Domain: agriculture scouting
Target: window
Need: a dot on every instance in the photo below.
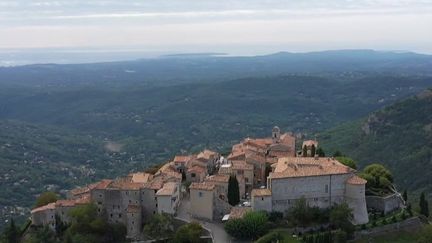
(262, 199)
(326, 188)
(315, 199)
(246, 180)
(111, 215)
(193, 175)
(120, 215)
(200, 194)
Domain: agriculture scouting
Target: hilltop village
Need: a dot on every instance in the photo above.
(271, 173)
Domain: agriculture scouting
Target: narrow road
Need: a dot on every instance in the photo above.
(216, 229)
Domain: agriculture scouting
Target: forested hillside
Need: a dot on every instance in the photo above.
(399, 136)
(66, 125)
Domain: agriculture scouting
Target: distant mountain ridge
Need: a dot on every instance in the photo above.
(204, 68)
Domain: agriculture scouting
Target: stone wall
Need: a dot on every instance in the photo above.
(385, 204)
(319, 191)
(262, 203)
(410, 225)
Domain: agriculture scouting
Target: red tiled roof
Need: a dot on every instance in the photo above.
(206, 186)
(261, 192)
(307, 166)
(356, 180)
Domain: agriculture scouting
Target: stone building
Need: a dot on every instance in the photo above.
(130, 200)
(323, 182)
(242, 171)
(261, 200)
(202, 197)
(262, 151)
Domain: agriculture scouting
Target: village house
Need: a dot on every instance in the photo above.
(129, 200)
(242, 171)
(262, 151)
(202, 200)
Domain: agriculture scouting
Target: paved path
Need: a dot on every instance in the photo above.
(216, 229)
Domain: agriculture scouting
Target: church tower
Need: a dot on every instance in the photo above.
(276, 134)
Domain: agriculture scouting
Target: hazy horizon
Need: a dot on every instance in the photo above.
(229, 26)
(21, 57)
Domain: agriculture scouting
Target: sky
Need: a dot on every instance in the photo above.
(232, 26)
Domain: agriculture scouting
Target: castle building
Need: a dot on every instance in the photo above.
(323, 182)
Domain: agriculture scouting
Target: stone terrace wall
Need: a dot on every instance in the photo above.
(385, 204)
(410, 225)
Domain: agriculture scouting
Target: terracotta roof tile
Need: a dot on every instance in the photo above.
(49, 206)
(168, 189)
(141, 177)
(206, 186)
(197, 169)
(217, 178)
(356, 180)
(103, 184)
(307, 166)
(261, 192)
(182, 158)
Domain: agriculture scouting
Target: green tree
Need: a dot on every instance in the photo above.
(377, 176)
(300, 213)
(46, 198)
(348, 162)
(341, 217)
(11, 233)
(251, 226)
(313, 150)
(320, 152)
(233, 191)
(305, 151)
(189, 233)
(424, 205)
(160, 226)
(337, 154)
(405, 196)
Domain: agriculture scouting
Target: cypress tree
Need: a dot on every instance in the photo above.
(313, 150)
(424, 205)
(405, 196)
(320, 152)
(233, 191)
(305, 150)
(12, 232)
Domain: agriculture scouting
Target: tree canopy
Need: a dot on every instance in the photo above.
(251, 226)
(160, 226)
(233, 191)
(347, 161)
(378, 177)
(46, 198)
(189, 233)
